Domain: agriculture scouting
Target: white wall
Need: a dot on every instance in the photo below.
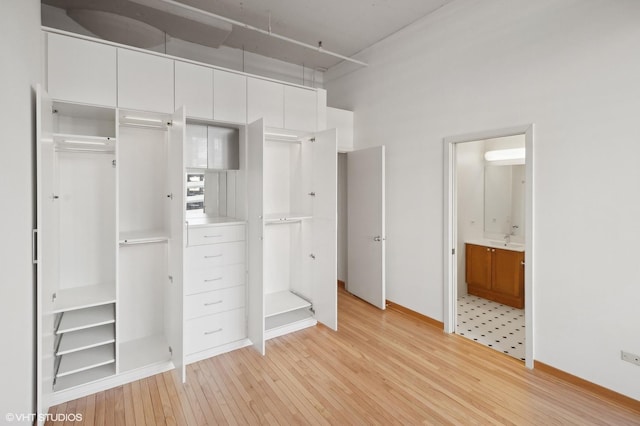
(342, 217)
(570, 67)
(20, 47)
(224, 56)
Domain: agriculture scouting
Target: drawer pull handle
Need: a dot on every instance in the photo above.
(213, 279)
(213, 236)
(213, 303)
(212, 256)
(206, 333)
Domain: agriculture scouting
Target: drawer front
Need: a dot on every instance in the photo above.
(204, 257)
(215, 234)
(199, 280)
(213, 302)
(214, 330)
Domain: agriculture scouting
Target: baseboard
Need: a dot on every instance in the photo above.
(341, 284)
(598, 390)
(414, 314)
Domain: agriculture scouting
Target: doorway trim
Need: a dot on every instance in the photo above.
(450, 249)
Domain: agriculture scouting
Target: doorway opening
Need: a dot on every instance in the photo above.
(488, 239)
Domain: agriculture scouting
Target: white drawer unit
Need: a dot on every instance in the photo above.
(215, 234)
(213, 302)
(200, 280)
(214, 330)
(215, 255)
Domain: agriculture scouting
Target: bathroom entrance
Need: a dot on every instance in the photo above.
(488, 185)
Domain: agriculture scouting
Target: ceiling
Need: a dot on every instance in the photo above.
(343, 26)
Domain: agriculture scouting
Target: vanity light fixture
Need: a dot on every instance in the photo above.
(505, 154)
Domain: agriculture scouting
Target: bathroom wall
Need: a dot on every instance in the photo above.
(568, 67)
(470, 200)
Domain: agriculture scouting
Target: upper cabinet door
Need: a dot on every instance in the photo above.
(229, 97)
(81, 71)
(194, 88)
(145, 82)
(300, 109)
(265, 100)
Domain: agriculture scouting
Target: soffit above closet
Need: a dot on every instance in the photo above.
(344, 27)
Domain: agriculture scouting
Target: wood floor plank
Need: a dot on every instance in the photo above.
(379, 368)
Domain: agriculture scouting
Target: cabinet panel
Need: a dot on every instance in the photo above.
(265, 100)
(196, 146)
(213, 302)
(300, 109)
(145, 82)
(81, 71)
(215, 234)
(342, 120)
(478, 266)
(229, 97)
(508, 276)
(214, 330)
(194, 89)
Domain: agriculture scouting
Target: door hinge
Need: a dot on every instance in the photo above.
(113, 164)
(313, 194)
(171, 350)
(312, 139)
(170, 196)
(169, 123)
(53, 297)
(171, 279)
(313, 256)
(453, 251)
(54, 197)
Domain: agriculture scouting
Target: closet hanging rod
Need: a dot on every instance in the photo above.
(146, 241)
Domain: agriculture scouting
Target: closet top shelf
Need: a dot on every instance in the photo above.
(84, 297)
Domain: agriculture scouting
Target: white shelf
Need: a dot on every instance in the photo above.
(143, 352)
(206, 221)
(282, 302)
(86, 339)
(86, 318)
(84, 297)
(84, 360)
(289, 322)
(84, 377)
(144, 237)
(287, 217)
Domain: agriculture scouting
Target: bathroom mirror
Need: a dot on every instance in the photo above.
(504, 199)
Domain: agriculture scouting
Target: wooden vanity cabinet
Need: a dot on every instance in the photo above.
(495, 274)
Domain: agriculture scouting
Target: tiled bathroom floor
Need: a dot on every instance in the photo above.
(498, 326)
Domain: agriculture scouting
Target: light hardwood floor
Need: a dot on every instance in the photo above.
(381, 367)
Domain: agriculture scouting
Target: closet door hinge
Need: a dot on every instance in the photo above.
(313, 194)
(169, 123)
(312, 139)
(113, 164)
(171, 350)
(171, 279)
(170, 196)
(453, 251)
(313, 256)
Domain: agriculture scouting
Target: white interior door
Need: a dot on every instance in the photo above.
(366, 218)
(174, 317)
(324, 184)
(46, 249)
(256, 234)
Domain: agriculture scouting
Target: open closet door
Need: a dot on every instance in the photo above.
(325, 201)
(255, 315)
(45, 249)
(174, 317)
(366, 222)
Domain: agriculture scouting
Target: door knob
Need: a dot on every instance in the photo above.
(378, 238)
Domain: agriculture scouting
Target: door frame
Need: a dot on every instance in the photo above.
(450, 249)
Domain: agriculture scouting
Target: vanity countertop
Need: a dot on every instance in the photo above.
(497, 244)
